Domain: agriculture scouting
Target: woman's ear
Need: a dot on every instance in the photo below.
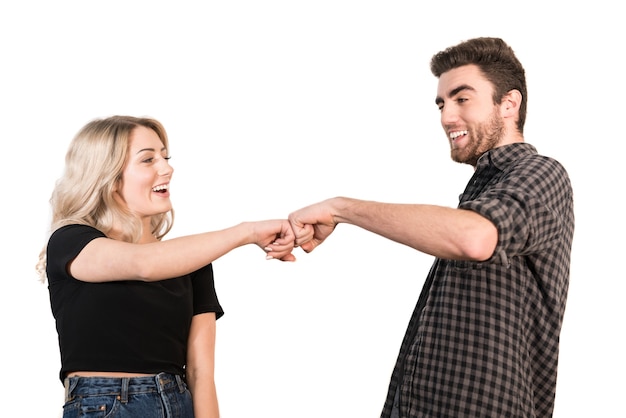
(115, 192)
(117, 184)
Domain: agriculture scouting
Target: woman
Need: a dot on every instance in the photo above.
(135, 314)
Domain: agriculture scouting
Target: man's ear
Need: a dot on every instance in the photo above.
(510, 105)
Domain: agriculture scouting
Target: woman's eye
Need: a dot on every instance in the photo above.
(150, 160)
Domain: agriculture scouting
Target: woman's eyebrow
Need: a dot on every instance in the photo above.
(150, 149)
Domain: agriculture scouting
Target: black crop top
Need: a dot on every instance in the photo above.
(123, 326)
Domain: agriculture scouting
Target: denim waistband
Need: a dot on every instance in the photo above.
(78, 386)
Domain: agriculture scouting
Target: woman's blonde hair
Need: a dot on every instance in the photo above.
(93, 167)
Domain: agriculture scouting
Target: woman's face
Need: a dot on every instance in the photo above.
(144, 186)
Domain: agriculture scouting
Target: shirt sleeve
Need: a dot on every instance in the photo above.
(204, 294)
(64, 245)
(526, 207)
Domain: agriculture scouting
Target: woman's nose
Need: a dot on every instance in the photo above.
(164, 168)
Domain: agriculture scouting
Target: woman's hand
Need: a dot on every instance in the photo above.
(276, 238)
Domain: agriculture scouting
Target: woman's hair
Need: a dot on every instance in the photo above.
(496, 60)
(93, 166)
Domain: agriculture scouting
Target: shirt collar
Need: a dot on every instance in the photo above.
(504, 155)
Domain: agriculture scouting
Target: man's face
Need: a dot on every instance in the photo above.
(470, 119)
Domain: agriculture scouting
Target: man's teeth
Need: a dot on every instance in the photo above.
(160, 188)
(456, 134)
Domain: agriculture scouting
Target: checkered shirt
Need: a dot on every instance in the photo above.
(483, 340)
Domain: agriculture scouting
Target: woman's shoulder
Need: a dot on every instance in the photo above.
(73, 235)
(76, 230)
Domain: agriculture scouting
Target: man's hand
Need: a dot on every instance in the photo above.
(312, 224)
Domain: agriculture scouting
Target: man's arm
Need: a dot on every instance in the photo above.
(436, 230)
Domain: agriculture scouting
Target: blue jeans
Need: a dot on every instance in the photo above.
(160, 396)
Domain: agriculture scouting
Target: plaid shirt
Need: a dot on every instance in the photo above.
(483, 340)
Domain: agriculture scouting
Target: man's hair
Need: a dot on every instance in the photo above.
(495, 59)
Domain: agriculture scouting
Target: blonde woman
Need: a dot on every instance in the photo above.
(135, 314)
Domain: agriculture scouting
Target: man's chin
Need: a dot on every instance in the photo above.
(463, 159)
(458, 156)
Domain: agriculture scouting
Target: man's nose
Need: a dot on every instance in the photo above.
(449, 116)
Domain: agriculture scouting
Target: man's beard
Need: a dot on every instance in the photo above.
(485, 136)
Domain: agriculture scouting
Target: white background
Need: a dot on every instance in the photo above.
(273, 105)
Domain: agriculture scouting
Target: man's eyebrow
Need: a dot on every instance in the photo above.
(454, 92)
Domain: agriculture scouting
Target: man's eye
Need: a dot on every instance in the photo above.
(461, 100)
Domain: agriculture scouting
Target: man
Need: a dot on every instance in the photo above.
(483, 340)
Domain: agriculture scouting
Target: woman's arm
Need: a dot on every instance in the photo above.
(105, 259)
(201, 366)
